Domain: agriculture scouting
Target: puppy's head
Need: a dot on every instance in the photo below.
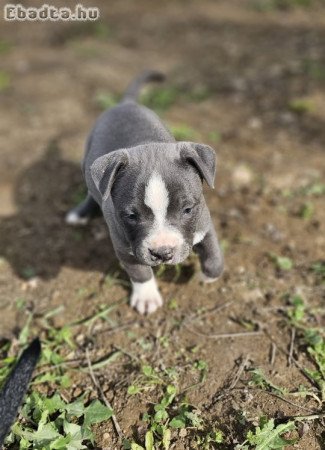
(156, 190)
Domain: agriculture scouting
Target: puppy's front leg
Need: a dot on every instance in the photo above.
(210, 255)
(145, 296)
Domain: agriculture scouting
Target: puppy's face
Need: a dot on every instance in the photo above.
(157, 198)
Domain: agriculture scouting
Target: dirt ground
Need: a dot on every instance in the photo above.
(262, 73)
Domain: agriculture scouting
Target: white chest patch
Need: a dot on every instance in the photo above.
(156, 197)
(198, 237)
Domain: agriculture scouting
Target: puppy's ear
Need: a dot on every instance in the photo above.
(202, 157)
(105, 168)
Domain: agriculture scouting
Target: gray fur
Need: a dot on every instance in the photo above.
(127, 144)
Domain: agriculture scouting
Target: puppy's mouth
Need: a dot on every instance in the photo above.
(153, 258)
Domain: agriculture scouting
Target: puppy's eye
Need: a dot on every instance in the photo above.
(131, 216)
(187, 211)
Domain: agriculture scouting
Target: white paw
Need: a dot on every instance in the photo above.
(73, 218)
(205, 279)
(145, 297)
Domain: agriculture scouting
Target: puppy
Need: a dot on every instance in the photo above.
(15, 387)
(149, 189)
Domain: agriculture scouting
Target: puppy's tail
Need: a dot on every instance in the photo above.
(134, 87)
(15, 387)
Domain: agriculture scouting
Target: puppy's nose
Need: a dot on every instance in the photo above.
(164, 254)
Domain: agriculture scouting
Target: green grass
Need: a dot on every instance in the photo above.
(5, 80)
(160, 98)
(57, 422)
(5, 46)
(172, 413)
(301, 106)
(105, 100)
(183, 132)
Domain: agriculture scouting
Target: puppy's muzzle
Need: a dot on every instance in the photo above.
(163, 254)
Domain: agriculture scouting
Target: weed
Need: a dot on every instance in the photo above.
(307, 211)
(281, 262)
(313, 339)
(52, 423)
(213, 437)
(268, 436)
(297, 312)
(172, 412)
(258, 379)
(316, 349)
(173, 304)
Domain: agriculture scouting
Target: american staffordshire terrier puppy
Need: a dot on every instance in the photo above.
(149, 189)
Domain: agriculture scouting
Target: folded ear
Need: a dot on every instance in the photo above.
(202, 157)
(105, 168)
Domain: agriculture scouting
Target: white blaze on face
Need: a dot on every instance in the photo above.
(157, 199)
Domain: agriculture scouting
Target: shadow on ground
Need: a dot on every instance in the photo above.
(36, 241)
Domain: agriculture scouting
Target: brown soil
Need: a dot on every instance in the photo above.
(253, 65)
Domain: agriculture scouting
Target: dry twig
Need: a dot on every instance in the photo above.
(292, 341)
(102, 395)
(225, 335)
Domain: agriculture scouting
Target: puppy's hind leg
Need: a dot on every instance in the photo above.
(81, 214)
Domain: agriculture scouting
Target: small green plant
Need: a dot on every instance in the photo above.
(172, 412)
(258, 379)
(52, 423)
(301, 106)
(268, 436)
(297, 311)
(5, 46)
(183, 132)
(307, 211)
(213, 437)
(312, 338)
(106, 100)
(160, 99)
(316, 350)
(4, 80)
(319, 270)
(282, 262)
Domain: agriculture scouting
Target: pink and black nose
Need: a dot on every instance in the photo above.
(163, 254)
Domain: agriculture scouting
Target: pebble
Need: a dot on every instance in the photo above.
(242, 176)
(33, 283)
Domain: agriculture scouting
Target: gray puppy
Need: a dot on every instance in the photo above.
(149, 189)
